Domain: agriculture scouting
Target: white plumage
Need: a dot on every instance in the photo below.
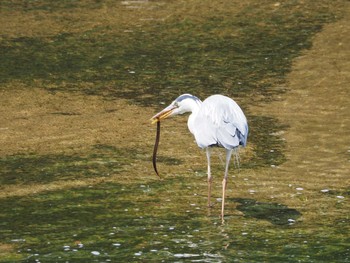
(217, 121)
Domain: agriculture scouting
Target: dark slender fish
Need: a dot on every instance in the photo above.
(156, 148)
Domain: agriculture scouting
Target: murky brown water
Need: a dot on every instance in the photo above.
(316, 108)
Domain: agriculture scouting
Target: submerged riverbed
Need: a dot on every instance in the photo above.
(79, 82)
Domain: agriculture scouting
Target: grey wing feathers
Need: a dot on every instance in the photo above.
(221, 122)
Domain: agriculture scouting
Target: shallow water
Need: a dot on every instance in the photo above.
(96, 198)
(142, 222)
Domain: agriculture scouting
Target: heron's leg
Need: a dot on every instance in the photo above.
(224, 182)
(210, 179)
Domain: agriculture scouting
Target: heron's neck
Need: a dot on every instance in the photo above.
(194, 109)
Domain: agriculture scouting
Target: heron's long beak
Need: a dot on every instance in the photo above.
(163, 114)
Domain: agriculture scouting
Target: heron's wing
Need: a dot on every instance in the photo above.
(204, 131)
(221, 121)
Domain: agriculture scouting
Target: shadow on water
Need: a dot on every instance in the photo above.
(275, 213)
(268, 143)
(102, 160)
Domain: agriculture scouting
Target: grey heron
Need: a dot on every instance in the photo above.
(217, 121)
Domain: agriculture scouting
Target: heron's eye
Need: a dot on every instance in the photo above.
(176, 104)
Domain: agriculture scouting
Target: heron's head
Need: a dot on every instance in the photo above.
(182, 104)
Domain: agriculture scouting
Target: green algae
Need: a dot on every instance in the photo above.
(130, 222)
